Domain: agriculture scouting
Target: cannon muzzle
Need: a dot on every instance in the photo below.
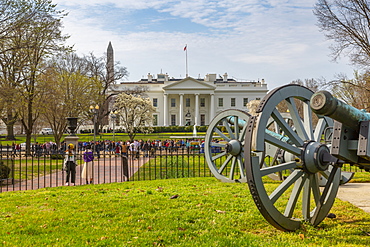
(324, 103)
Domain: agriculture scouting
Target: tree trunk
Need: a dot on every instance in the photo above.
(10, 132)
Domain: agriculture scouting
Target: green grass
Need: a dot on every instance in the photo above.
(176, 166)
(206, 213)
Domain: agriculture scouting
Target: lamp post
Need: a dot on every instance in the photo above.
(94, 110)
(113, 115)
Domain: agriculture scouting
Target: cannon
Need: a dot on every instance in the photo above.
(302, 148)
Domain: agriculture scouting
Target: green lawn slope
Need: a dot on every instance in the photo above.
(202, 212)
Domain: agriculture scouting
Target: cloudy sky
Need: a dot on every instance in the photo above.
(275, 40)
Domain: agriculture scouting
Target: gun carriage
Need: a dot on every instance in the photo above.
(302, 149)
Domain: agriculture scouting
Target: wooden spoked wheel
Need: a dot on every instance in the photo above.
(224, 144)
(305, 158)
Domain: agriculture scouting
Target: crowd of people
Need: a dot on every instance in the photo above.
(136, 147)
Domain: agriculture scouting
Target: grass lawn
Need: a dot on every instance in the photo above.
(206, 212)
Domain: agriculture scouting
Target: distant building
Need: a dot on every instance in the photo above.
(190, 101)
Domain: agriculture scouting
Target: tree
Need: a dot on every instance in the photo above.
(347, 23)
(312, 84)
(68, 91)
(10, 81)
(37, 39)
(107, 75)
(135, 113)
(355, 92)
(14, 14)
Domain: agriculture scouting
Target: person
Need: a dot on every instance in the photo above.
(70, 163)
(87, 171)
(124, 149)
(117, 149)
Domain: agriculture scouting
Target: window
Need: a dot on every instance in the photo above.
(187, 102)
(202, 102)
(155, 120)
(173, 120)
(220, 102)
(202, 119)
(155, 102)
(232, 101)
(173, 102)
(245, 101)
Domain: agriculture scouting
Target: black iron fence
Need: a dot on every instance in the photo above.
(43, 168)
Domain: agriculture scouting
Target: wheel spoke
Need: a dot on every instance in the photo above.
(276, 155)
(242, 134)
(222, 135)
(286, 128)
(325, 194)
(296, 174)
(294, 196)
(226, 162)
(321, 125)
(232, 169)
(296, 118)
(219, 155)
(306, 197)
(241, 166)
(314, 179)
(236, 127)
(278, 168)
(325, 174)
(228, 128)
(218, 144)
(307, 116)
(283, 145)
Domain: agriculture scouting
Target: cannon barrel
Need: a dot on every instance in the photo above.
(324, 103)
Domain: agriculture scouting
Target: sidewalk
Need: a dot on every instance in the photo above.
(357, 194)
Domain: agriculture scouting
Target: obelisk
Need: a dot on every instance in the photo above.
(110, 63)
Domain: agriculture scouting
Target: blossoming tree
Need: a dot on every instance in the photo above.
(135, 113)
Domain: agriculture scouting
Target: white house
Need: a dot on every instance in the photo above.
(192, 101)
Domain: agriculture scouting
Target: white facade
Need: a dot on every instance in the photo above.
(192, 101)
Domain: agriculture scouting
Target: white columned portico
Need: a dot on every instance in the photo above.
(196, 118)
(165, 109)
(181, 111)
(212, 108)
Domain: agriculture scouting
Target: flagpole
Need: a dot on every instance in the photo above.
(186, 59)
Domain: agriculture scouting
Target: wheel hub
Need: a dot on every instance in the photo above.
(234, 147)
(314, 157)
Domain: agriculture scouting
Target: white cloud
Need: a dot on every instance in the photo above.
(277, 40)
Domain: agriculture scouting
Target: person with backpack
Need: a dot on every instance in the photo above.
(70, 164)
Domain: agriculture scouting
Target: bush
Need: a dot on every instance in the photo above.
(57, 156)
(4, 171)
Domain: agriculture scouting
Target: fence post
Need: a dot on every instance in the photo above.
(125, 167)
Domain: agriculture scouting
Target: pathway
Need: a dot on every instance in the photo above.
(356, 193)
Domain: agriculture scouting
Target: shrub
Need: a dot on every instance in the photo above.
(4, 171)
(57, 156)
